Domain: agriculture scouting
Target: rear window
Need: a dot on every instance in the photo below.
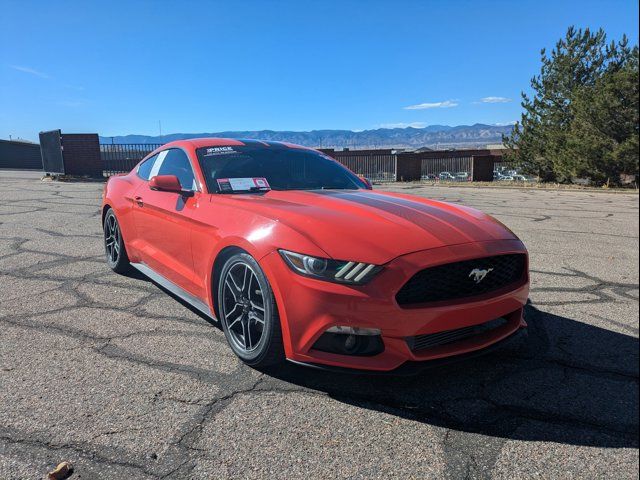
(284, 168)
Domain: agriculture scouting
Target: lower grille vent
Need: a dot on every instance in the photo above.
(421, 342)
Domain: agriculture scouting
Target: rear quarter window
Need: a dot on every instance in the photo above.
(144, 169)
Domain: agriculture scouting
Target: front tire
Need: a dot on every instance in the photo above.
(248, 312)
(115, 251)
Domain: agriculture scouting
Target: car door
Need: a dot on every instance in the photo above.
(163, 220)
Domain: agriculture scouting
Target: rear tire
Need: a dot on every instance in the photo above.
(115, 251)
(248, 312)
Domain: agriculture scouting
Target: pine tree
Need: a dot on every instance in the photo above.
(603, 140)
(559, 121)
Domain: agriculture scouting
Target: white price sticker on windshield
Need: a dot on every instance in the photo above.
(243, 184)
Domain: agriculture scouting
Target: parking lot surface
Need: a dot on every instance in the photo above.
(118, 377)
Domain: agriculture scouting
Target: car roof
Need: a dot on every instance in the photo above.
(222, 142)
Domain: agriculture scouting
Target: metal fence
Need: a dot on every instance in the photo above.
(376, 167)
(121, 158)
(448, 169)
(510, 171)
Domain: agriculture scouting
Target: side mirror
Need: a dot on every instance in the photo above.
(367, 182)
(168, 183)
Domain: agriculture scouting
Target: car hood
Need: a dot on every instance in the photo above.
(374, 227)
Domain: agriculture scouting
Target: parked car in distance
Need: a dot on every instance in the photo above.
(462, 176)
(446, 176)
(502, 176)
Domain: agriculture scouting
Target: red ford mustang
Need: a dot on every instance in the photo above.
(298, 258)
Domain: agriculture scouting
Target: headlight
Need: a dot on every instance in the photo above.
(339, 271)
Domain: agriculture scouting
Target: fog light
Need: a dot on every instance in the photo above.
(364, 342)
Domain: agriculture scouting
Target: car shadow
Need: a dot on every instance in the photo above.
(566, 382)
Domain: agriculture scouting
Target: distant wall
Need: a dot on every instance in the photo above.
(387, 165)
(20, 155)
(81, 153)
(409, 167)
(482, 167)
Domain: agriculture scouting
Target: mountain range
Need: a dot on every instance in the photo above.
(432, 136)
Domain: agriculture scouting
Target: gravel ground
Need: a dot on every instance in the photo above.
(123, 380)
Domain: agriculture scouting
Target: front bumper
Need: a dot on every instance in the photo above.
(411, 368)
(308, 307)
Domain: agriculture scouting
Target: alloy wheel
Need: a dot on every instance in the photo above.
(243, 309)
(112, 239)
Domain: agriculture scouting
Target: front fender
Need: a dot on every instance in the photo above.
(216, 229)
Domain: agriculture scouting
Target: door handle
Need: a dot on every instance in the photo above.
(139, 201)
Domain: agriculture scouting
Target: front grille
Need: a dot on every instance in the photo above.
(461, 279)
(420, 342)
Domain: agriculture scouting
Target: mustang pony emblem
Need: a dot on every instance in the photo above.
(478, 275)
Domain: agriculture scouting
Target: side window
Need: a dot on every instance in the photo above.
(144, 170)
(175, 162)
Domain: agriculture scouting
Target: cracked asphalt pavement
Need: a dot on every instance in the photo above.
(126, 382)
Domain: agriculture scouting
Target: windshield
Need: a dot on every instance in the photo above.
(284, 168)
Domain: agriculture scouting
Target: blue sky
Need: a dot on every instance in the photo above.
(120, 67)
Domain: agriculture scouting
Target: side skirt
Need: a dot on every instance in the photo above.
(195, 302)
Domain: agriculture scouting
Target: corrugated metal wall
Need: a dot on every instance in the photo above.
(376, 167)
(20, 155)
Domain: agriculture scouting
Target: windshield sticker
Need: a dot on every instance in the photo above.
(219, 151)
(242, 184)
